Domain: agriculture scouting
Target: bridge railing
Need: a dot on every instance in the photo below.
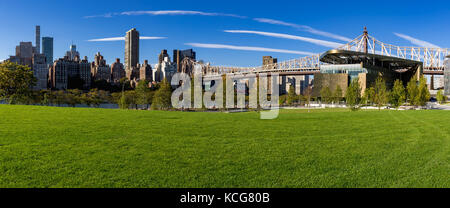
(432, 58)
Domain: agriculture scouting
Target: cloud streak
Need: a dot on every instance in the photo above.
(415, 41)
(123, 38)
(247, 48)
(304, 28)
(286, 36)
(165, 12)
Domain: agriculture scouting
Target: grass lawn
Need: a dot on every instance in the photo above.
(70, 147)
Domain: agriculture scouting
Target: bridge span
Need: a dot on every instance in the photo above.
(432, 58)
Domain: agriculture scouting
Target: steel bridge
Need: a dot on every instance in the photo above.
(432, 58)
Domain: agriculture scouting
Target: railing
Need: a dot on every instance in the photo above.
(432, 58)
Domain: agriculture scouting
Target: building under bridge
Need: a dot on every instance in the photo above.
(341, 67)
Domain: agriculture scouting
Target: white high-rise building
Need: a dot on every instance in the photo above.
(165, 69)
(72, 53)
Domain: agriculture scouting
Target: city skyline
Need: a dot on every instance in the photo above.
(221, 35)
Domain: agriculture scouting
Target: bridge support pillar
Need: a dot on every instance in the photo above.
(432, 82)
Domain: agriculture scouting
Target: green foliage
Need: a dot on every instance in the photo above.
(122, 102)
(337, 94)
(282, 100)
(73, 97)
(128, 99)
(15, 83)
(326, 94)
(162, 98)
(144, 95)
(424, 94)
(381, 95)
(418, 95)
(369, 96)
(292, 98)
(353, 95)
(398, 94)
(441, 98)
(125, 84)
(307, 94)
(92, 98)
(412, 92)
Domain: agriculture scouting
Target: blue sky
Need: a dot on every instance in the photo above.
(261, 25)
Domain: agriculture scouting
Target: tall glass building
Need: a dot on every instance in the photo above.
(47, 49)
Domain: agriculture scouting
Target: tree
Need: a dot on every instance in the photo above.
(60, 97)
(307, 94)
(282, 100)
(337, 94)
(46, 97)
(424, 94)
(412, 92)
(127, 99)
(291, 97)
(381, 93)
(398, 95)
(162, 97)
(353, 95)
(125, 84)
(143, 96)
(369, 96)
(16, 82)
(326, 94)
(73, 97)
(96, 100)
(122, 102)
(441, 98)
(86, 99)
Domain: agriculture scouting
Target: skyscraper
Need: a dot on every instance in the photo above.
(38, 39)
(131, 49)
(40, 71)
(47, 49)
(99, 69)
(117, 71)
(146, 72)
(70, 74)
(179, 55)
(73, 52)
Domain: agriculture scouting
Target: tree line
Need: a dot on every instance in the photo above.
(415, 94)
(16, 81)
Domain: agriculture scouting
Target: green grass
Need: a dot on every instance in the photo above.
(70, 147)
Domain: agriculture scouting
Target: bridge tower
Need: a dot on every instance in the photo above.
(366, 40)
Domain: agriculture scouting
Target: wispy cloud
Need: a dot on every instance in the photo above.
(165, 12)
(302, 27)
(415, 41)
(247, 48)
(123, 38)
(286, 36)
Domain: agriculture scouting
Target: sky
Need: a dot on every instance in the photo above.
(228, 33)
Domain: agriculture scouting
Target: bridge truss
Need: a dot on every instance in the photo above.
(432, 58)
